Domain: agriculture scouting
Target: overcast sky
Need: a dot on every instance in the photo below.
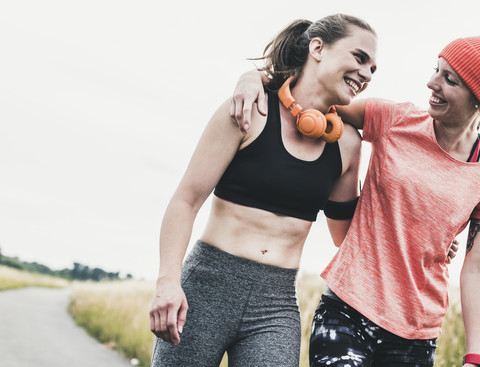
(102, 103)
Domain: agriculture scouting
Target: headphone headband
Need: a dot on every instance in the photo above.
(285, 96)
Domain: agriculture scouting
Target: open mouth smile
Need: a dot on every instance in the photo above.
(353, 84)
(436, 101)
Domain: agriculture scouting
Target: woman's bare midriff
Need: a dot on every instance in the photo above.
(256, 234)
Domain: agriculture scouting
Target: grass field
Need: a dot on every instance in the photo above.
(11, 278)
(116, 313)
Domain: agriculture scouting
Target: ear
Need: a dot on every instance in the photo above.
(315, 48)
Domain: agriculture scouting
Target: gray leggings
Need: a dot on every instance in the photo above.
(238, 306)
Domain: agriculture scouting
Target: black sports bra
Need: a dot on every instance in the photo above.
(266, 176)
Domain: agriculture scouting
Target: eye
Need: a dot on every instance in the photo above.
(446, 76)
(360, 58)
(449, 80)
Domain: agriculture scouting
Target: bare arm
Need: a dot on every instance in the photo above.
(249, 89)
(346, 187)
(354, 113)
(469, 280)
(216, 148)
(338, 229)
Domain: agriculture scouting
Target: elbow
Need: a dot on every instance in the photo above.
(184, 206)
(471, 264)
(337, 243)
(468, 271)
(470, 274)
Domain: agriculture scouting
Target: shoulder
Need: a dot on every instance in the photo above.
(257, 125)
(376, 105)
(222, 127)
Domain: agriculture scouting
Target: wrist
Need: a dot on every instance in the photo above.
(171, 277)
(472, 358)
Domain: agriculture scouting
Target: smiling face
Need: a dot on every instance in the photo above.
(347, 65)
(451, 100)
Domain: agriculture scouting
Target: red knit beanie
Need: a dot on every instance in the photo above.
(463, 55)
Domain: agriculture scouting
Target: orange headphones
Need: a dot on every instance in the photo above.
(312, 123)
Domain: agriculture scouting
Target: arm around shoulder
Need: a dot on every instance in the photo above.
(354, 113)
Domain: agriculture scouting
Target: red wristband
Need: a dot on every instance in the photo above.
(472, 358)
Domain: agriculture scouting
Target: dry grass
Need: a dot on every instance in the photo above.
(309, 292)
(11, 278)
(116, 313)
(451, 344)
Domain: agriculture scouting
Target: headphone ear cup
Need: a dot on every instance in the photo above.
(312, 123)
(334, 129)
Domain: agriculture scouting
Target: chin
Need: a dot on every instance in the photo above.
(343, 101)
(432, 113)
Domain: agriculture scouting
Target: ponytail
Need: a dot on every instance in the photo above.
(286, 54)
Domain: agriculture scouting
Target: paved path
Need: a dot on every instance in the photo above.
(37, 331)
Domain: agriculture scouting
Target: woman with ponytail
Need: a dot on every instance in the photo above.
(235, 291)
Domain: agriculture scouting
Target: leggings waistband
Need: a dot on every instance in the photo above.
(242, 267)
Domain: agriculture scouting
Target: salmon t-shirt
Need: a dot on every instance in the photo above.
(416, 198)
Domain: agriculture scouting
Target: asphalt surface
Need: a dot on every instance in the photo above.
(37, 331)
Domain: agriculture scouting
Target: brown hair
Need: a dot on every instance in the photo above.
(287, 53)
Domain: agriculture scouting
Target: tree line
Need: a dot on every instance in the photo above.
(77, 272)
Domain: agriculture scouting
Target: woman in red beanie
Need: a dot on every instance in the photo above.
(387, 292)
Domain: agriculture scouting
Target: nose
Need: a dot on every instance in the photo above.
(433, 83)
(365, 74)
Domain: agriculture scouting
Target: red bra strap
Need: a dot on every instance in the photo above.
(476, 152)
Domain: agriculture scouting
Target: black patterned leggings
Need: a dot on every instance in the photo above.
(342, 337)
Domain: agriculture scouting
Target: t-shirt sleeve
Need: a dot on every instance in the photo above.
(381, 115)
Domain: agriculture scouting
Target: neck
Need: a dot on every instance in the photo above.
(307, 94)
(456, 140)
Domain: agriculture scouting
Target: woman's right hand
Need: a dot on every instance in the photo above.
(452, 251)
(168, 312)
(249, 89)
